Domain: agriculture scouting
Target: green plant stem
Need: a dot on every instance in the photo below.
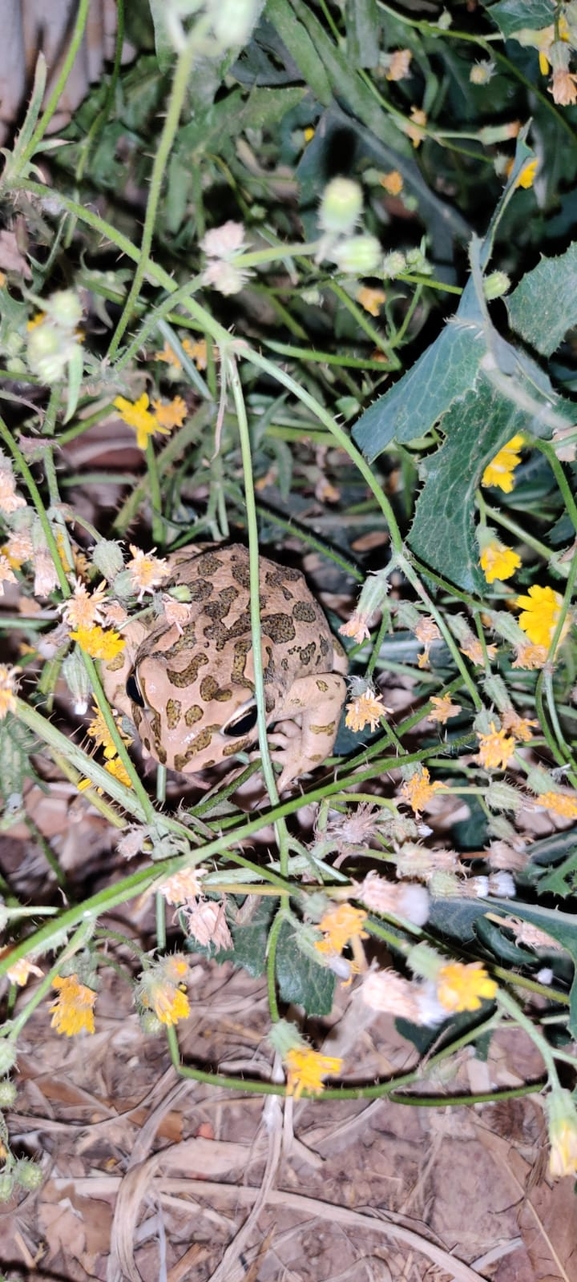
(511, 1007)
(56, 95)
(175, 105)
(272, 944)
(501, 518)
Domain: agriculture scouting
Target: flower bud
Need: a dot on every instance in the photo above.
(64, 309)
(108, 559)
(7, 1093)
(393, 265)
(28, 1174)
(502, 796)
(78, 682)
(341, 206)
(8, 1055)
(495, 285)
(496, 691)
(358, 255)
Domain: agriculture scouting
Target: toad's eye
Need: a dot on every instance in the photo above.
(243, 724)
(133, 691)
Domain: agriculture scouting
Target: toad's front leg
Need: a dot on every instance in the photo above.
(314, 705)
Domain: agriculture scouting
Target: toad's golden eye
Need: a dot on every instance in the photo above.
(243, 724)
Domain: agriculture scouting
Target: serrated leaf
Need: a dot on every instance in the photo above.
(561, 881)
(443, 531)
(300, 979)
(513, 15)
(251, 939)
(411, 408)
(544, 305)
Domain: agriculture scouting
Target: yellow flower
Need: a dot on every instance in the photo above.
(308, 133)
(371, 299)
(392, 182)
(443, 709)
(498, 561)
(418, 790)
(473, 650)
(168, 356)
(520, 727)
(99, 643)
(18, 549)
(561, 803)
(463, 986)
(118, 771)
(98, 730)
(414, 128)
(171, 415)
(198, 352)
(365, 710)
(73, 1009)
(10, 501)
(160, 989)
(530, 657)
(182, 887)
(84, 608)
(340, 925)
(527, 176)
(356, 627)
(399, 64)
(540, 614)
(562, 1133)
(146, 570)
(306, 1069)
(426, 631)
(563, 87)
(499, 472)
(137, 415)
(495, 749)
(20, 972)
(8, 688)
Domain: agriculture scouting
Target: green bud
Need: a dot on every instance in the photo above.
(358, 255)
(495, 285)
(502, 796)
(499, 827)
(78, 681)
(6, 1187)
(341, 206)
(284, 1037)
(28, 1174)
(49, 351)
(8, 1056)
(496, 691)
(486, 722)
(541, 781)
(150, 1023)
(107, 558)
(64, 309)
(393, 265)
(507, 627)
(7, 1093)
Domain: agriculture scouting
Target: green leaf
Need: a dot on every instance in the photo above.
(301, 48)
(300, 979)
(544, 305)
(412, 407)
(443, 531)
(363, 33)
(514, 15)
(562, 880)
(250, 940)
